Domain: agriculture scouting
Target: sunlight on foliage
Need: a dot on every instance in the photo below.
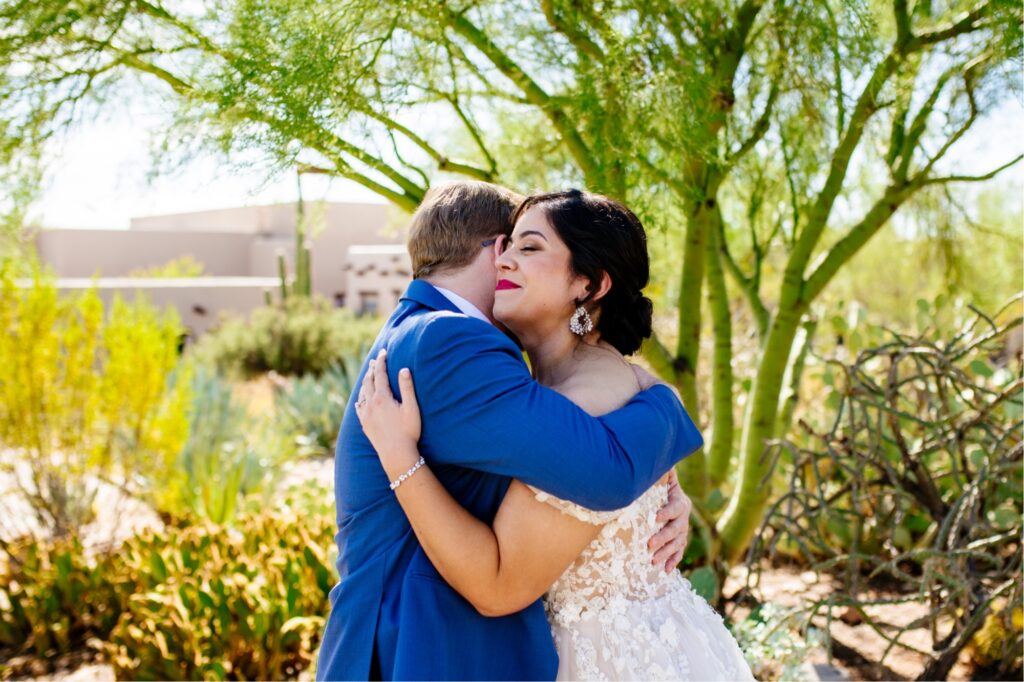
(85, 398)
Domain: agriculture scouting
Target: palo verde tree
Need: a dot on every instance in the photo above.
(742, 126)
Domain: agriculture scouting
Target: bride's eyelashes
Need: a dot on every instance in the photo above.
(522, 249)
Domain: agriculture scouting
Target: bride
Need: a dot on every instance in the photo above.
(569, 287)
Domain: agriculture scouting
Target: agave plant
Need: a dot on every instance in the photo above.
(311, 407)
(228, 457)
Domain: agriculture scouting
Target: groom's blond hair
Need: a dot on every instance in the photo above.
(453, 221)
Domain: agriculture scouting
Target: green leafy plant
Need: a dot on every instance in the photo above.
(301, 335)
(214, 604)
(772, 643)
(193, 601)
(54, 598)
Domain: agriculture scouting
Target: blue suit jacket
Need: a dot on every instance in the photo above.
(484, 421)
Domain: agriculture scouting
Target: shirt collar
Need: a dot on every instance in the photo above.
(464, 306)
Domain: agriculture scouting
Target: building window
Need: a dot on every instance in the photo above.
(369, 303)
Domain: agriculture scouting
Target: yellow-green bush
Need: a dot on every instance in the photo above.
(190, 602)
(186, 266)
(84, 395)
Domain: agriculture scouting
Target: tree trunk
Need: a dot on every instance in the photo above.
(747, 504)
(720, 440)
(794, 374)
(693, 470)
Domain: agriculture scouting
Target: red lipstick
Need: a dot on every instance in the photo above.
(505, 284)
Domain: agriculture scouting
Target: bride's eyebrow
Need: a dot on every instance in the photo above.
(529, 232)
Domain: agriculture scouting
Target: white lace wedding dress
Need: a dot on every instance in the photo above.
(616, 616)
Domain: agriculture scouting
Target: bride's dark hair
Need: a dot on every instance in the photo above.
(604, 236)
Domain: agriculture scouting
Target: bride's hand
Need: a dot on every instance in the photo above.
(393, 427)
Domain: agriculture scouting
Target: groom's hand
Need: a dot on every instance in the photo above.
(668, 544)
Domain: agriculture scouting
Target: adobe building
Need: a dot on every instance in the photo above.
(358, 254)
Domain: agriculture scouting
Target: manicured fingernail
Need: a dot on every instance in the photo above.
(405, 372)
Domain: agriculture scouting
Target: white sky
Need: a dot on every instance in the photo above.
(98, 175)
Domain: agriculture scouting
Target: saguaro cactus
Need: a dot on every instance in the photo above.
(302, 284)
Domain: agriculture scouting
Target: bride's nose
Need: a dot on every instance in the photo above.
(501, 254)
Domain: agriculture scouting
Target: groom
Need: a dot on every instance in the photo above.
(484, 421)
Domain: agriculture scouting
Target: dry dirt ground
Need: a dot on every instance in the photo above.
(858, 649)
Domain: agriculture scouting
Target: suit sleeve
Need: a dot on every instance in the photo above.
(482, 410)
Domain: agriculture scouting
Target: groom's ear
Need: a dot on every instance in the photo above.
(599, 289)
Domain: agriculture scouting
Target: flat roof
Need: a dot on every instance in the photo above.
(376, 249)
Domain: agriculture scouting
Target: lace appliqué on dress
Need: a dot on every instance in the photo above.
(614, 615)
(574, 510)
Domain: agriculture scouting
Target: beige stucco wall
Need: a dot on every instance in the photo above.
(358, 256)
(200, 301)
(376, 276)
(115, 253)
(362, 219)
(276, 218)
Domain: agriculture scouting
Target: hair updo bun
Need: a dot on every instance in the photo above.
(604, 236)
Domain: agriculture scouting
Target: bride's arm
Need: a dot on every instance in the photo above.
(499, 570)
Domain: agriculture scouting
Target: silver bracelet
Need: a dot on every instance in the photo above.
(401, 479)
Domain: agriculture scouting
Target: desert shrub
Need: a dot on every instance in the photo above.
(85, 396)
(229, 462)
(915, 489)
(310, 408)
(195, 601)
(53, 598)
(300, 335)
(249, 604)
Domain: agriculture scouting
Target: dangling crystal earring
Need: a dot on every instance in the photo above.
(580, 323)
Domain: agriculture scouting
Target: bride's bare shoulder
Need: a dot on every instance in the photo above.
(601, 385)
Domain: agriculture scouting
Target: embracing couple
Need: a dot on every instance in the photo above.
(495, 482)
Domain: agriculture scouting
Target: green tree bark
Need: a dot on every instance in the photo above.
(693, 470)
(720, 440)
(747, 504)
(794, 375)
